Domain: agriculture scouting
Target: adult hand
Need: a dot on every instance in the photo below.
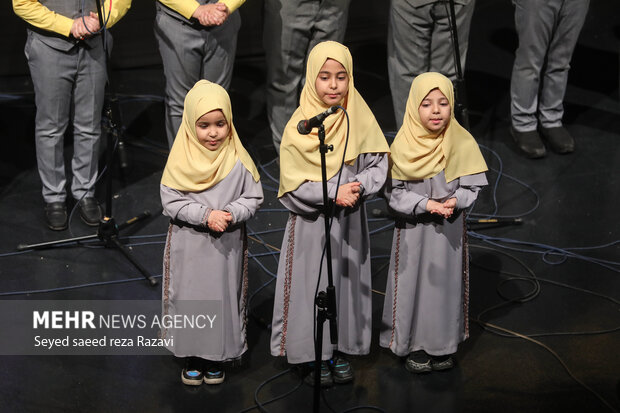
(211, 14)
(83, 28)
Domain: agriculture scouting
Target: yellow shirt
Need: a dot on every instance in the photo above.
(40, 16)
(187, 7)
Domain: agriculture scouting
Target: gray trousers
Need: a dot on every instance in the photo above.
(291, 29)
(419, 41)
(64, 80)
(190, 53)
(548, 32)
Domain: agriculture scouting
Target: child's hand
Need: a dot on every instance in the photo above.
(449, 206)
(450, 203)
(433, 206)
(438, 208)
(219, 220)
(211, 14)
(348, 194)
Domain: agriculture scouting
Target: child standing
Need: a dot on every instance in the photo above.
(329, 75)
(436, 172)
(209, 188)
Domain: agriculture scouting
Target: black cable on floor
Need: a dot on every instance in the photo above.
(260, 405)
(504, 332)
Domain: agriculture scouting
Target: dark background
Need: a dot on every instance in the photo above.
(568, 238)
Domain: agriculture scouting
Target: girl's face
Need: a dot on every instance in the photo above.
(332, 83)
(435, 111)
(211, 129)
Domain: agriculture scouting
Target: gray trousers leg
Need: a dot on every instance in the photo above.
(548, 31)
(419, 41)
(291, 29)
(61, 79)
(188, 55)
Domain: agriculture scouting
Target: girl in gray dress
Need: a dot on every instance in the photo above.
(329, 75)
(209, 188)
(436, 172)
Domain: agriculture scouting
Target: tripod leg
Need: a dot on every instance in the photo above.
(22, 247)
(136, 264)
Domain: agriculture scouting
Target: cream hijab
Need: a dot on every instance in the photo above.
(416, 153)
(299, 154)
(192, 167)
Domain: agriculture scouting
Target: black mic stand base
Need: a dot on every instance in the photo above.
(106, 232)
(321, 317)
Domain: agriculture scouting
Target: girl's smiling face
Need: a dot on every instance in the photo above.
(435, 111)
(211, 129)
(332, 83)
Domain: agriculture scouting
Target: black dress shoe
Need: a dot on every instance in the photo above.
(56, 215)
(558, 139)
(529, 143)
(90, 211)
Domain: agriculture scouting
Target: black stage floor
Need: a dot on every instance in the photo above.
(550, 284)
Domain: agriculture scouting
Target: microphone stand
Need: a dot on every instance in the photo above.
(461, 111)
(108, 229)
(325, 301)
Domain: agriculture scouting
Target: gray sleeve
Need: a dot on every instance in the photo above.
(177, 205)
(405, 201)
(469, 186)
(244, 207)
(308, 198)
(374, 174)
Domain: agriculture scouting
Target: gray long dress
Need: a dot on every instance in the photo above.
(298, 269)
(427, 292)
(202, 265)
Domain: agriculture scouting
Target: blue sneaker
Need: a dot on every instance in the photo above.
(341, 370)
(327, 380)
(192, 372)
(214, 374)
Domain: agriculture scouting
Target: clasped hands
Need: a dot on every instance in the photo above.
(86, 26)
(348, 194)
(211, 14)
(218, 220)
(445, 209)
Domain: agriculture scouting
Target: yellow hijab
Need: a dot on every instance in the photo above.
(416, 153)
(300, 159)
(191, 166)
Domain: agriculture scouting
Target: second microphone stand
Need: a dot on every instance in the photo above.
(108, 229)
(461, 111)
(325, 301)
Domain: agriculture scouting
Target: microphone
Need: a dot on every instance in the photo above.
(305, 126)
